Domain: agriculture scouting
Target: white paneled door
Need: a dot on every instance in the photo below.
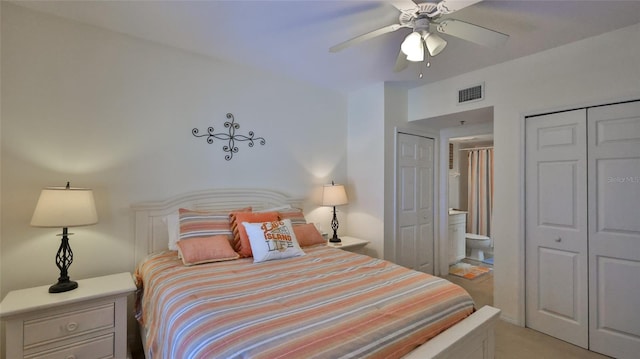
(614, 229)
(556, 226)
(583, 227)
(414, 193)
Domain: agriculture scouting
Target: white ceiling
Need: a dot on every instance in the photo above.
(292, 38)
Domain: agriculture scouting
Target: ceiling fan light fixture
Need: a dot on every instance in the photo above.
(412, 47)
(416, 56)
(435, 44)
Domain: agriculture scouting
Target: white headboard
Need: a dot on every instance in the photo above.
(151, 232)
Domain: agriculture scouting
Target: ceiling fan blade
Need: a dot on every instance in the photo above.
(449, 6)
(364, 37)
(401, 62)
(404, 5)
(470, 32)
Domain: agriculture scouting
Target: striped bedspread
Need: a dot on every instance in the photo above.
(328, 303)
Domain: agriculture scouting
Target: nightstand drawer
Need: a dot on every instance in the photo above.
(72, 323)
(100, 347)
(89, 322)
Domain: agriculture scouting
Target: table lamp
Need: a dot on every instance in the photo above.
(64, 207)
(334, 195)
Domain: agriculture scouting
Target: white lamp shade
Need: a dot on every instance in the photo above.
(334, 195)
(435, 44)
(65, 207)
(412, 47)
(416, 56)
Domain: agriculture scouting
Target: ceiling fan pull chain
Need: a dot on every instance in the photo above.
(426, 57)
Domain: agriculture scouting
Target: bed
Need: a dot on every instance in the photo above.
(326, 303)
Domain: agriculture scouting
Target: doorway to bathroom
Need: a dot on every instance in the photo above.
(470, 201)
(477, 126)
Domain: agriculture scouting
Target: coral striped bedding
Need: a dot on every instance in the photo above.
(328, 303)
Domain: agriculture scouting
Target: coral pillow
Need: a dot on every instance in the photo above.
(272, 240)
(240, 240)
(194, 224)
(206, 249)
(308, 235)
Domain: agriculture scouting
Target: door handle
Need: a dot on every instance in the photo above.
(559, 239)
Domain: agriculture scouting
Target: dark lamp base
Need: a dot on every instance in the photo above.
(335, 240)
(63, 287)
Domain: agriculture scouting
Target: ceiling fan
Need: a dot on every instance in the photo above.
(425, 20)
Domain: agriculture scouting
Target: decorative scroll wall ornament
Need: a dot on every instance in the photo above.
(231, 137)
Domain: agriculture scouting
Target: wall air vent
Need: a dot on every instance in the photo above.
(470, 94)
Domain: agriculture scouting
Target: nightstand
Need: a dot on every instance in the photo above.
(349, 243)
(87, 322)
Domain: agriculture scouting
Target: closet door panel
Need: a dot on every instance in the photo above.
(614, 229)
(617, 199)
(557, 273)
(557, 202)
(556, 226)
(613, 295)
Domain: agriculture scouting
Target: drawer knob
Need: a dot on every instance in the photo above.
(71, 326)
(559, 239)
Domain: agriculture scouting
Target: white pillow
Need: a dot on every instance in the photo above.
(272, 240)
(275, 209)
(173, 227)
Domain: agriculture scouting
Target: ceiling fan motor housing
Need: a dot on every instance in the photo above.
(421, 25)
(423, 11)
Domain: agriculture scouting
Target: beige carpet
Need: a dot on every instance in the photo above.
(514, 342)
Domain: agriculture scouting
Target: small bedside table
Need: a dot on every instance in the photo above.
(87, 322)
(349, 243)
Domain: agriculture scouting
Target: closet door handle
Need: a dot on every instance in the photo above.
(559, 239)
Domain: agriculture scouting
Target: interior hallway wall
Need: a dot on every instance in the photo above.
(569, 75)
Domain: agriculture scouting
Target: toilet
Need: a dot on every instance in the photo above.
(476, 245)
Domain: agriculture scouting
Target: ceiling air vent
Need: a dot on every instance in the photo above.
(473, 93)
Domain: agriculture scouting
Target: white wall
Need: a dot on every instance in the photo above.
(595, 70)
(366, 167)
(115, 113)
(375, 113)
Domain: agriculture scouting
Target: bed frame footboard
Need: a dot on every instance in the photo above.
(473, 337)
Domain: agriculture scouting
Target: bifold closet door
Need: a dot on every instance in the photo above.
(614, 229)
(556, 225)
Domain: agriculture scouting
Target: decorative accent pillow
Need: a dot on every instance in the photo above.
(206, 249)
(194, 224)
(308, 235)
(272, 240)
(240, 240)
(294, 214)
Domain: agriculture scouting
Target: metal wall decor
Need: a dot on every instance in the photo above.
(232, 137)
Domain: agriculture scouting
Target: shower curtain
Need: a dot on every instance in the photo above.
(480, 195)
